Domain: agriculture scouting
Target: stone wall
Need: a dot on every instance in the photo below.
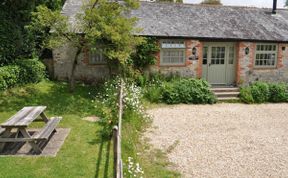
(86, 72)
(246, 73)
(192, 68)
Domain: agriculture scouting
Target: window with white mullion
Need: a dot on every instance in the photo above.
(265, 55)
(172, 52)
(172, 56)
(97, 56)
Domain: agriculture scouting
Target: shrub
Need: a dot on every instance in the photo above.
(278, 92)
(153, 93)
(187, 91)
(32, 70)
(260, 92)
(141, 80)
(26, 71)
(246, 95)
(9, 76)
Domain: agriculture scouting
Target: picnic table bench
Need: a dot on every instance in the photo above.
(21, 120)
(1, 130)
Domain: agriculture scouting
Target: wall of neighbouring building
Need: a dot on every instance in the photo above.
(246, 73)
(62, 62)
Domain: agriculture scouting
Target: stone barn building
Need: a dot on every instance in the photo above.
(224, 45)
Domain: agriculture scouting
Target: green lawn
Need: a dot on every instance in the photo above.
(84, 153)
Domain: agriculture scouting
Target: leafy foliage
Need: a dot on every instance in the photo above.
(175, 90)
(212, 2)
(103, 25)
(246, 95)
(9, 76)
(278, 92)
(260, 92)
(26, 71)
(32, 70)
(16, 41)
(107, 102)
(145, 53)
(106, 27)
(188, 91)
(153, 93)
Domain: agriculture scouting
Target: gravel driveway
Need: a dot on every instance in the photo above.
(223, 140)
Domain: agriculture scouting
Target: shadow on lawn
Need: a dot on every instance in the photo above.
(103, 141)
(53, 95)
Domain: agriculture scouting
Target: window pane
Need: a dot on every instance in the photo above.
(266, 55)
(173, 56)
(205, 55)
(96, 56)
(218, 55)
(174, 44)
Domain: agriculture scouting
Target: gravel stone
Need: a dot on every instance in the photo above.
(223, 140)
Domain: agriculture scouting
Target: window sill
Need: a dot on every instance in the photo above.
(172, 65)
(265, 68)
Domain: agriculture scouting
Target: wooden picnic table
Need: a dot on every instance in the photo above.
(21, 120)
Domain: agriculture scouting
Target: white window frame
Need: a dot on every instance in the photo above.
(172, 45)
(93, 51)
(275, 52)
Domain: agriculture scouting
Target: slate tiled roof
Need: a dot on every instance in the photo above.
(204, 21)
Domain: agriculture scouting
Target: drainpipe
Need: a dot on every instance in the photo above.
(274, 7)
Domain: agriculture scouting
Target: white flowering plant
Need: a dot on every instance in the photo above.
(132, 97)
(107, 102)
(133, 169)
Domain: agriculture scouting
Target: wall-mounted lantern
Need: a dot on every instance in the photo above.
(247, 50)
(194, 54)
(194, 51)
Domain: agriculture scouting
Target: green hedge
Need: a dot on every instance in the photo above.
(180, 90)
(22, 72)
(32, 70)
(9, 76)
(261, 92)
(188, 91)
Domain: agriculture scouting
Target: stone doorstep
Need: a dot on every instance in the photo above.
(226, 93)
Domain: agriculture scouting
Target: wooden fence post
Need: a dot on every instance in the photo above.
(115, 150)
(118, 167)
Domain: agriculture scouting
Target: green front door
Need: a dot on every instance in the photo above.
(219, 63)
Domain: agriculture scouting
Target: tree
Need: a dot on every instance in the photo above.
(15, 39)
(212, 2)
(102, 25)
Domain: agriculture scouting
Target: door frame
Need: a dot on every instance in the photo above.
(234, 69)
